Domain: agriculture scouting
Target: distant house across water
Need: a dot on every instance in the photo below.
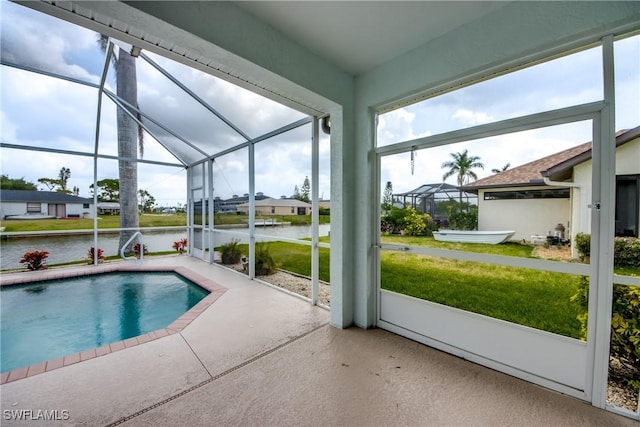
(25, 204)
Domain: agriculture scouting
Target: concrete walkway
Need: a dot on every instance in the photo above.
(258, 356)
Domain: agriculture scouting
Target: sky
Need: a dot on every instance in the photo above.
(36, 110)
(563, 82)
(42, 111)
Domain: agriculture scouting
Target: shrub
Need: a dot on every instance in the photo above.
(583, 246)
(408, 221)
(230, 252)
(626, 250)
(180, 245)
(265, 264)
(91, 255)
(394, 222)
(464, 220)
(625, 321)
(414, 224)
(35, 260)
(136, 249)
(625, 324)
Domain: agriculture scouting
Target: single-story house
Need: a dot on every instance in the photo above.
(108, 208)
(20, 203)
(534, 198)
(272, 206)
(231, 205)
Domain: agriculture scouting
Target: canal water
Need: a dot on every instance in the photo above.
(66, 248)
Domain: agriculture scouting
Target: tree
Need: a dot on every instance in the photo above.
(387, 198)
(108, 190)
(296, 193)
(7, 183)
(63, 177)
(462, 165)
(504, 168)
(129, 133)
(305, 190)
(50, 183)
(147, 201)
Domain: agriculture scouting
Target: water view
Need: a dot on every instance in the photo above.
(66, 248)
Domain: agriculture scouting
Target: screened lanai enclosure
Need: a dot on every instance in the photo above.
(435, 200)
(337, 114)
(192, 139)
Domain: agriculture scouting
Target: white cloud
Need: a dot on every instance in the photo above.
(397, 126)
(471, 118)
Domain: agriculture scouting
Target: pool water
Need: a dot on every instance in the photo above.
(49, 320)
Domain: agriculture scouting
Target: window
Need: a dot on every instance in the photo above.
(85, 206)
(562, 193)
(627, 205)
(33, 208)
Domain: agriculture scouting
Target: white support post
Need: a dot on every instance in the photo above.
(189, 209)
(211, 245)
(203, 214)
(315, 214)
(252, 211)
(105, 70)
(604, 155)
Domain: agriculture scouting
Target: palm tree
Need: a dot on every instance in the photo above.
(504, 168)
(129, 133)
(462, 165)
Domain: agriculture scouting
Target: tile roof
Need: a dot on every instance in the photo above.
(40, 196)
(557, 166)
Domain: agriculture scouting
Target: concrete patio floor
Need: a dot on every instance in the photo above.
(259, 356)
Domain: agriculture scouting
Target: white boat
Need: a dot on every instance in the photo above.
(462, 236)
(30, 216)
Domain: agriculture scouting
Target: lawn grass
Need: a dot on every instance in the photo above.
(296, 258)
(507, 249)
(528, 297)
(538, 299)
(533, 298)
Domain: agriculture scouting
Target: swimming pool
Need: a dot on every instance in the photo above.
(50, 319)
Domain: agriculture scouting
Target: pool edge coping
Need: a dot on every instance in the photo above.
(177, 326)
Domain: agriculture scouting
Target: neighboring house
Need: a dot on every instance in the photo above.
(325, 204)
(231, 205)
(278, 207)
(19, 203)
(108, 208)
(519, 199)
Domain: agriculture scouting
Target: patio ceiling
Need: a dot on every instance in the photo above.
(358, 36)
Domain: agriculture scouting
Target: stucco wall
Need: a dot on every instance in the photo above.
(78, 209)
(627, 163)
(20, 208)
(526, 216)
(15, 208)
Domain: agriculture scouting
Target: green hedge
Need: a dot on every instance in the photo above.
(626, 250)
(625, 319)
